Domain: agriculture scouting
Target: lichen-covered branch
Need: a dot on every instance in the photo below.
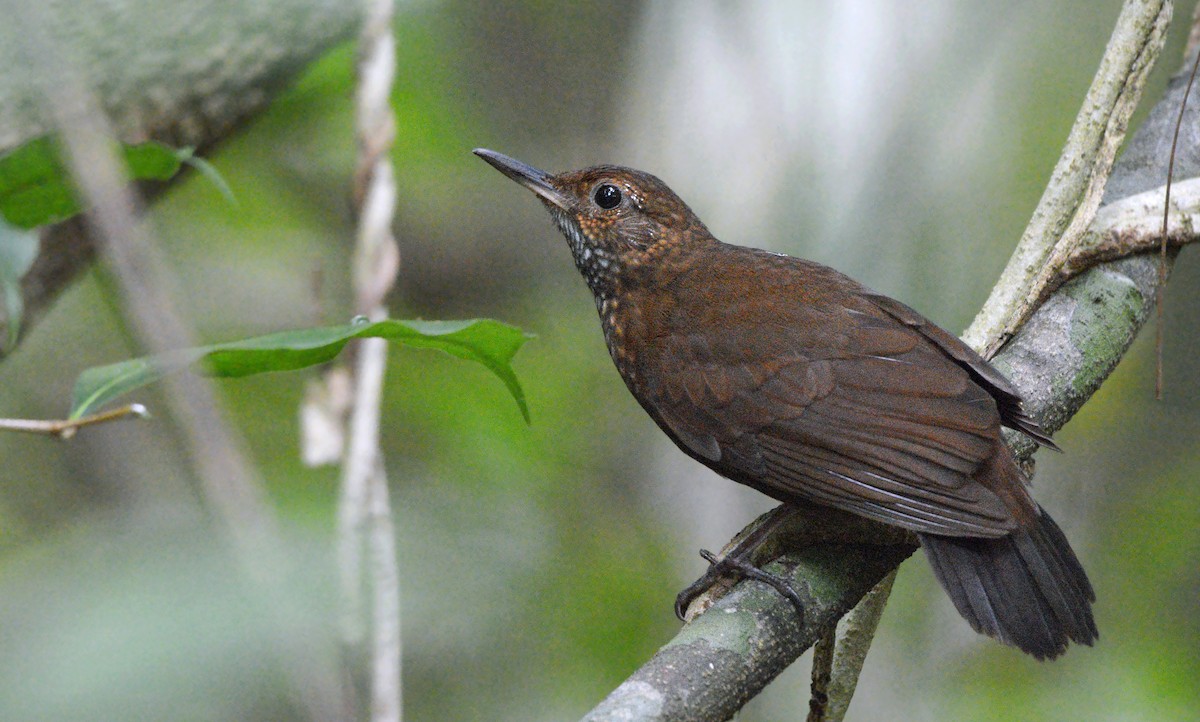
(1133, 225)
(852, 640)
(1057, 360)
(728, 654)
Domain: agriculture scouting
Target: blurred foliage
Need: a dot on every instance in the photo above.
(35, 187)
(539, 562)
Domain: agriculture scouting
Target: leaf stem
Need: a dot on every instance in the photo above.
(66, 428)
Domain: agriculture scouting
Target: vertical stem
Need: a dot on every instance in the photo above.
(855, 632)
(1162, 252)
(386, 690)
(364, 514)
(822, 670)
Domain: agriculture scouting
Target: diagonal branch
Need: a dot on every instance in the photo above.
(1077, 184)
(725, 656)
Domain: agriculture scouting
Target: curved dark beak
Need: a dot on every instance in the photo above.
(535, 180)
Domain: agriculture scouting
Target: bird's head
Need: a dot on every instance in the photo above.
(615, 219)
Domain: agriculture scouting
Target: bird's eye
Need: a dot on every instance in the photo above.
(607, 196)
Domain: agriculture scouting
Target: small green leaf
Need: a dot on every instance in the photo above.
(151, 161)
(36, 189)
(485, 341)
(18, 249)
(33, 185)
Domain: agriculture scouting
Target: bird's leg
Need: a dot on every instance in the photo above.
(737, 561)
(747, 569)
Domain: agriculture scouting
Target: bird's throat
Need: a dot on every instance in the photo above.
(596, 263)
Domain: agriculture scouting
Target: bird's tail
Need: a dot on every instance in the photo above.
(1026, 589)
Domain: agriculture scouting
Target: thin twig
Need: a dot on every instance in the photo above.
(1162, 253)
(66, 428)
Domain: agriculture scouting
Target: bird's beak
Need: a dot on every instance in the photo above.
(535, 180)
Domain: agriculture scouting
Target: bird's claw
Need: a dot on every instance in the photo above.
(733, 565)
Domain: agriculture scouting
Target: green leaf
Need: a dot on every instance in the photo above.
(36, 189)
(33, 185)
(18, 249)
(153, 161)
(484, 341)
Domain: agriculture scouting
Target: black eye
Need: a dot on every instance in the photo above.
(607, 196)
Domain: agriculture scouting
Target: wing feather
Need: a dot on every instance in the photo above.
(890, 430)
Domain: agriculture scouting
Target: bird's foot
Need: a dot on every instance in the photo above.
(734, 565)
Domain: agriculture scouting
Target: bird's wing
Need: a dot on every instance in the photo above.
(894, 430)
(983, 373)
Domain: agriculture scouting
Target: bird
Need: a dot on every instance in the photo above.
(792, 378)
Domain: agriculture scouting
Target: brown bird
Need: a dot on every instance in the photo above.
(792, 378)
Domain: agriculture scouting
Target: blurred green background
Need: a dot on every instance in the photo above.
(905, 144)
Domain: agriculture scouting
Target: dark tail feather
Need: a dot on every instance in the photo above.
(1026, 589)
